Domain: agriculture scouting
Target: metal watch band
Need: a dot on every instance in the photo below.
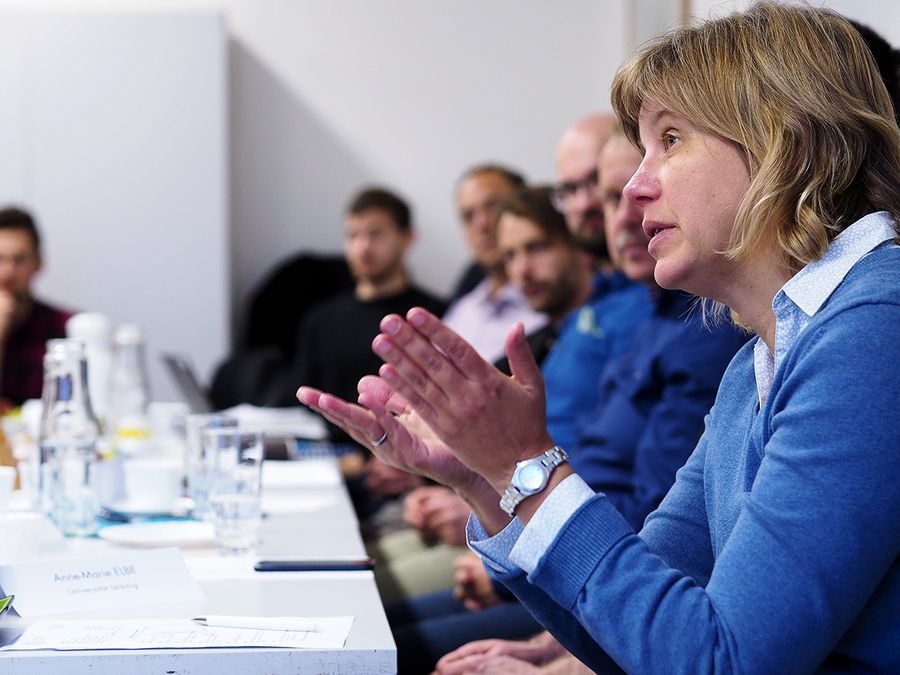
(512, 496)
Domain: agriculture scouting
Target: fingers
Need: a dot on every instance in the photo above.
(456, 350)
(521, 361)
(450, 662)
(361, 424)
(462, 666)
(308, 396)
(426, 355)
(378, 391)
(413, 387)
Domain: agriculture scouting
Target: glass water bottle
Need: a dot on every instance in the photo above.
(128, 424)
(68, 441)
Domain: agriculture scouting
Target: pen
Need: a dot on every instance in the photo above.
(259, 622)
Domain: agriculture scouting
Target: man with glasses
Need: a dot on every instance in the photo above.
(484, 315)
(575, 195)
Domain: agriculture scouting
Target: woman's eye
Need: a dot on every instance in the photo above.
(669, 140)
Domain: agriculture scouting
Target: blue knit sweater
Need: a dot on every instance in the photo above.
(777, 549)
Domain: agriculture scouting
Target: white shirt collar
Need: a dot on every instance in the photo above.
(805, 293)
(814, 284)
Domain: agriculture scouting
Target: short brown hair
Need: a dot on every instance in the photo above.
(389, 202)
(15, 218)
(536, 205)
(514, 178)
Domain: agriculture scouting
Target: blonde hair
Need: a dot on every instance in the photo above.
(797, 89)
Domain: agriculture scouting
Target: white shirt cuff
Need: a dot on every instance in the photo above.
(493, 551)
(548, 520)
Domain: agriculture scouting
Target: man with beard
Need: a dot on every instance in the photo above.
(575, 195)
(593, 321)
(25, 322)
(335, 339)
(483, 314)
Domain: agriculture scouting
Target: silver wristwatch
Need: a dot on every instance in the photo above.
(530, 477)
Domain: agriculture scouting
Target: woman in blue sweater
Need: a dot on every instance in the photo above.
(770, 185)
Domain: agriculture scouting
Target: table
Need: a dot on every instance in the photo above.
(321, 523)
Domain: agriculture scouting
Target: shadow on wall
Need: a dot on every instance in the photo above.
(291, 176)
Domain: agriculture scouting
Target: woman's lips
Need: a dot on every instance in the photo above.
(651, 228)
(657, 233)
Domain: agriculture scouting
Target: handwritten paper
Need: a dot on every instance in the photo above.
(87, 584)
(72, 634)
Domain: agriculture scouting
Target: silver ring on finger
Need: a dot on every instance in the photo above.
(379, 441)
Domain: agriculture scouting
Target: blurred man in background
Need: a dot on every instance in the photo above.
(484, 314)
(26, 323)
(334, 345)
(575, 195)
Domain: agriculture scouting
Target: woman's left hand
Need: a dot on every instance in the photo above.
(488, 420)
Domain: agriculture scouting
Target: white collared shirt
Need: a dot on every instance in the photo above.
(483, 320)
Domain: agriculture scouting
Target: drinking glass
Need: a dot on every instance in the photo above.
(234, 490)
(198, 464)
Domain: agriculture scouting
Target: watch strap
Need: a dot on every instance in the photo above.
(512, 496)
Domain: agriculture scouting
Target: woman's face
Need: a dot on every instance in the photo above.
(689, 185)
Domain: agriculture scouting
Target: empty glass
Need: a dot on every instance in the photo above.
(199, 465)
(234, 489)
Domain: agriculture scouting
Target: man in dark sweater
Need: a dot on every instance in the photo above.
(335, 339)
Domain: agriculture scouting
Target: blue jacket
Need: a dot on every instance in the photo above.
(651, 406)
(776, 551)
(588, 338)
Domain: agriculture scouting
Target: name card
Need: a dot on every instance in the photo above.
(108, 582)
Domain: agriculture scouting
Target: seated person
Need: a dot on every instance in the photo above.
(776, 550)
(485, 313)
(26, 323)
(542, 653)
(334, 343)
(648, 418)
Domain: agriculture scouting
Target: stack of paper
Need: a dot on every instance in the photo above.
(331, 633)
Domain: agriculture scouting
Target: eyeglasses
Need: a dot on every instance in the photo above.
(564, 194)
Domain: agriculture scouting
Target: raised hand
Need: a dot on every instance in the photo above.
(371, 427)
(400, 438)
(488, 419)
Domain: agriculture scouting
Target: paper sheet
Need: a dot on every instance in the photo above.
(101, 583)
(72, 634)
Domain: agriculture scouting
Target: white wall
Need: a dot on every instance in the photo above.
(327, 95)
(114, 135)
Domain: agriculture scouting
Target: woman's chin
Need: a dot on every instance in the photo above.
(668, 276)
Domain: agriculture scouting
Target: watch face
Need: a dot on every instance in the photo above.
(531, 477)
